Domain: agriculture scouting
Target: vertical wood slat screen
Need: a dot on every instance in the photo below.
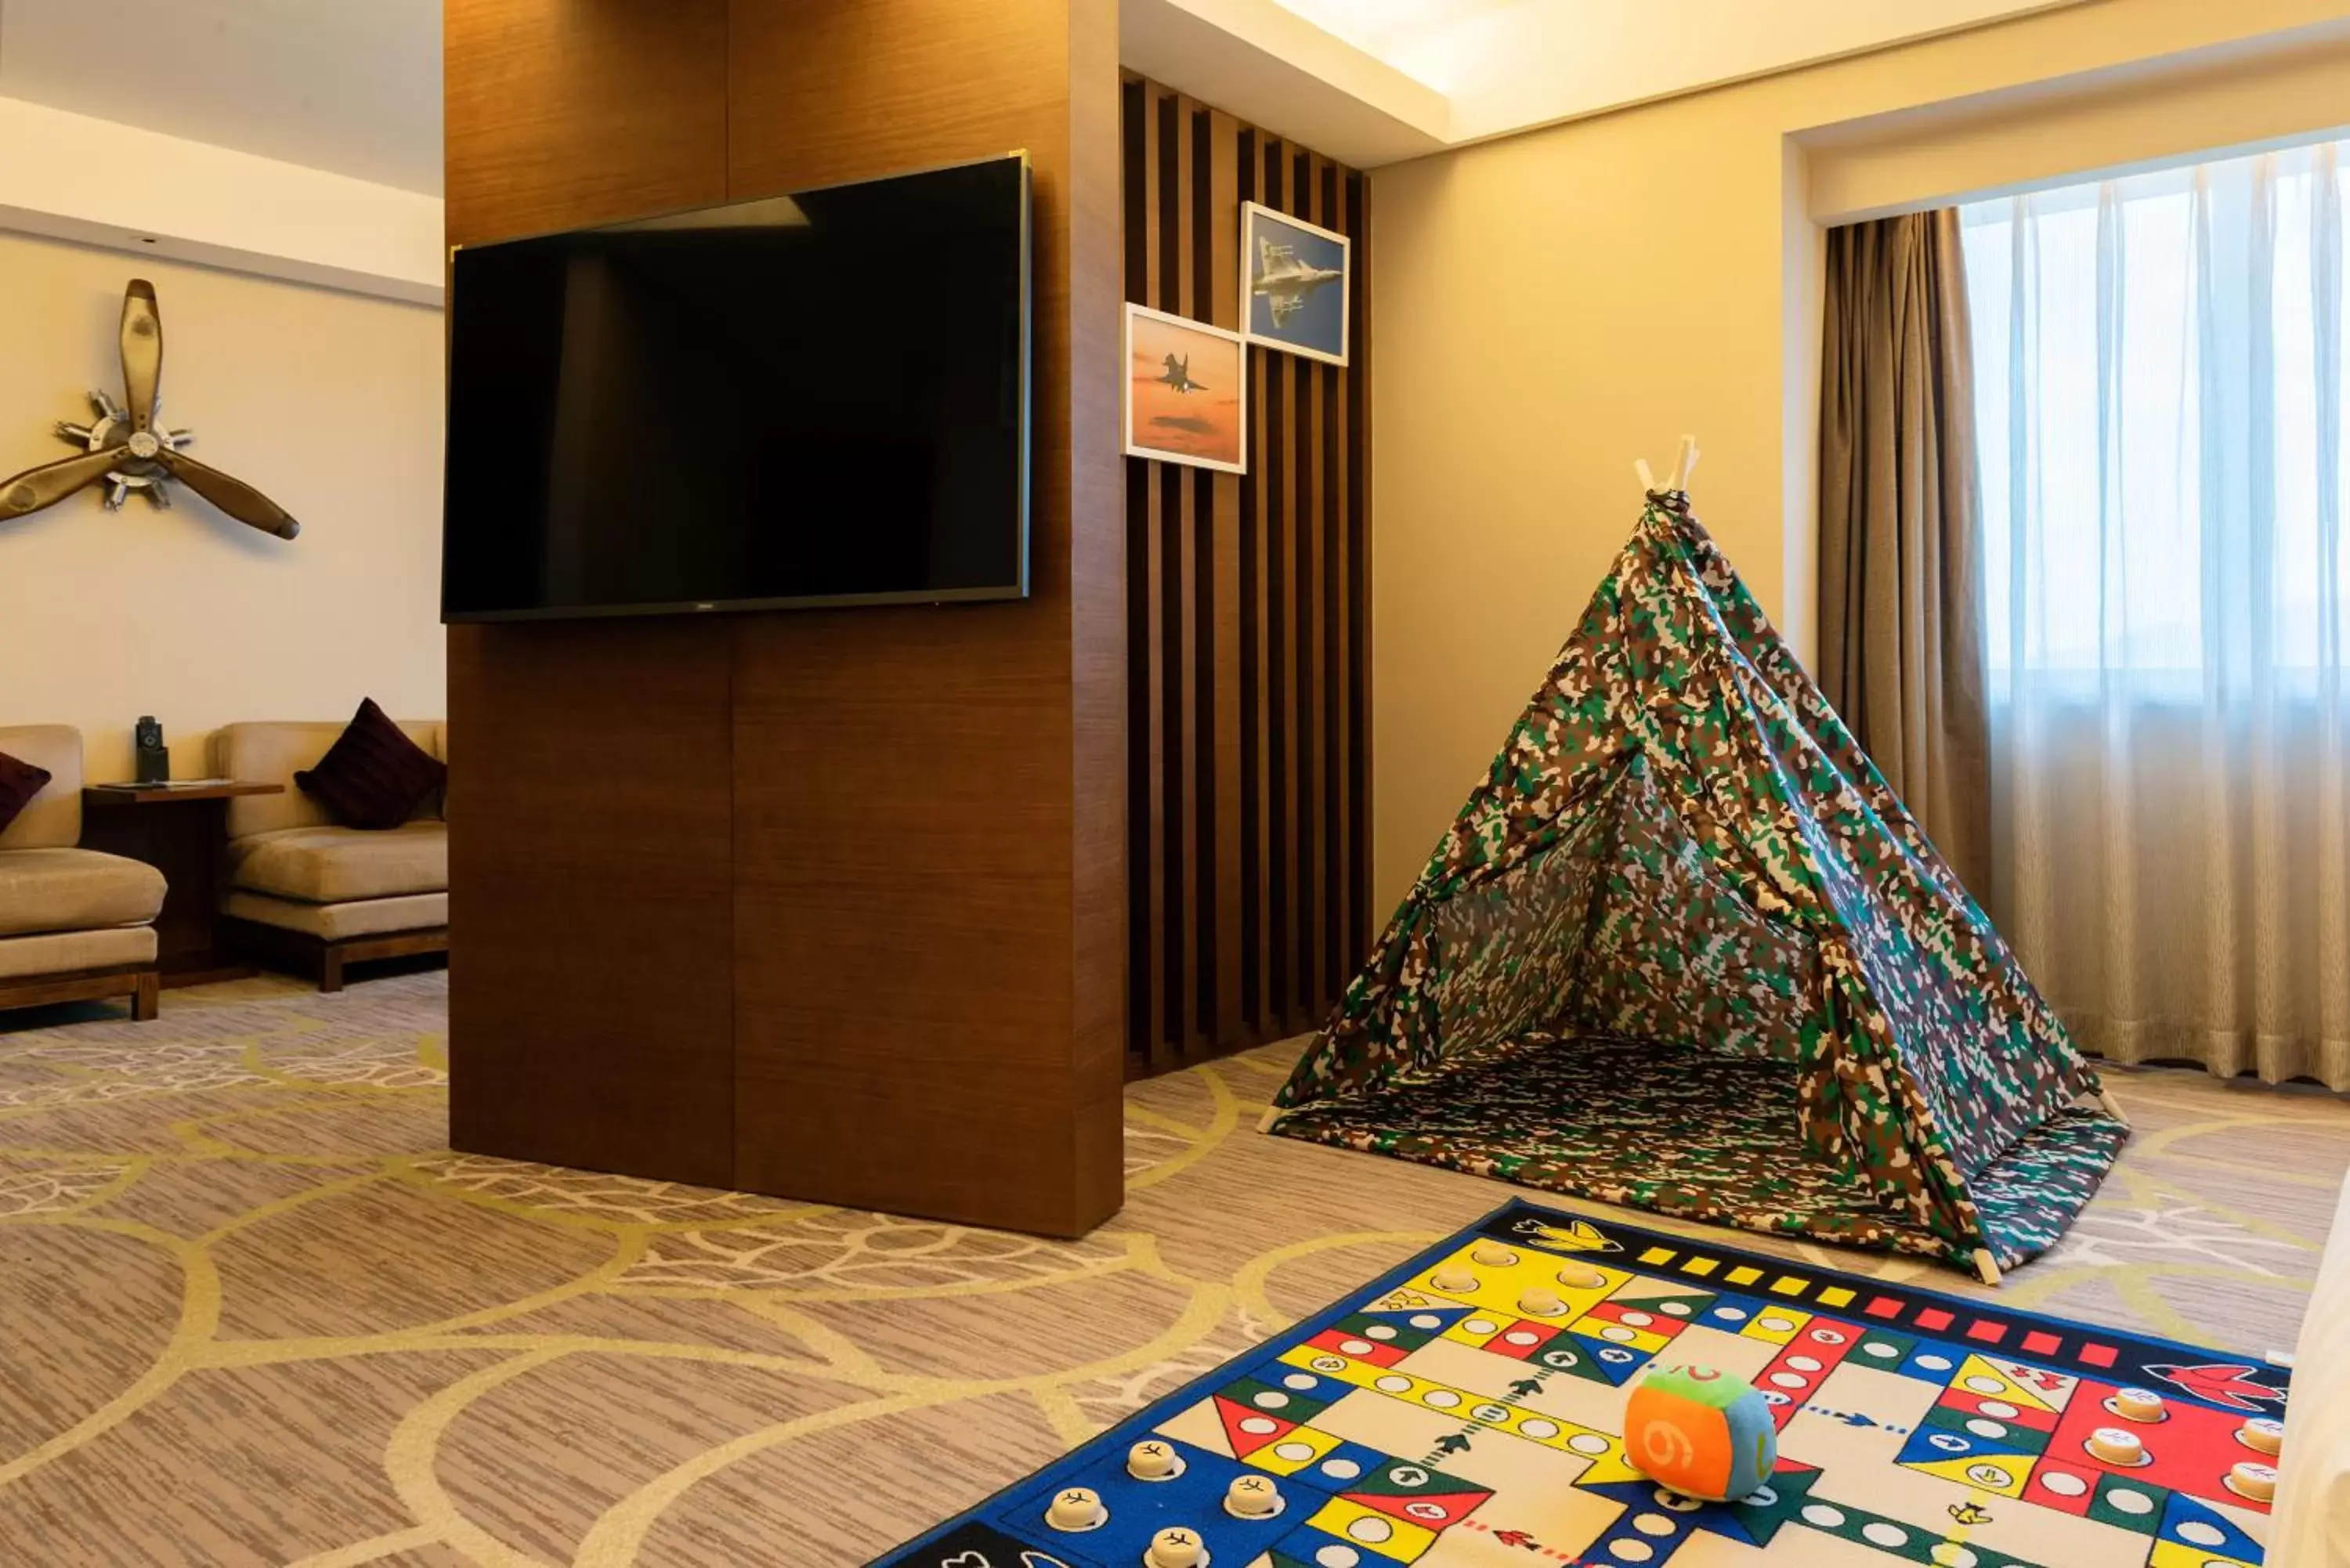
(1249, 627)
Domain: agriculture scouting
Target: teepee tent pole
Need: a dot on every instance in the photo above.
(1683, 467)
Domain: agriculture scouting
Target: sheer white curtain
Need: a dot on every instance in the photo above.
(2159, 370)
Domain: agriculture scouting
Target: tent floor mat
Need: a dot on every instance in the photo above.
(1694, 1135)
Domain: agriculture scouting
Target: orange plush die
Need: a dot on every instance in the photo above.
(1700, 1432)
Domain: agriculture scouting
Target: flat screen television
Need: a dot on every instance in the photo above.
(819, 399)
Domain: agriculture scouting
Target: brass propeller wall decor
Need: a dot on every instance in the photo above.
(127, 450)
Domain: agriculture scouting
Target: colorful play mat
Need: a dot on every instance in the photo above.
(1465, 1411)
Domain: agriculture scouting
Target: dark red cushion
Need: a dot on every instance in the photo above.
(373, 776)
(19, 782)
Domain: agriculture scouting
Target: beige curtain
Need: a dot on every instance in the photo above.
(1901, 592)
(2166, 469)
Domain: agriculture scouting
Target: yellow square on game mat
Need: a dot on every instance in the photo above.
(1776, 1324)
(1700, 1266)
(1657, 1255)
(1608, 1331)
(1476, 1330)
(1390, 1537)
(1744, 1275)
(1499, 1288)
(1788, 1285)
(1835, 1296)
(1297, 1449)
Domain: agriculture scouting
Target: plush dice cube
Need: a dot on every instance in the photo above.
(1700, 1432)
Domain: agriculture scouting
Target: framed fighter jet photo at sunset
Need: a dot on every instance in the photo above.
(1294, 284)
(1186, 391)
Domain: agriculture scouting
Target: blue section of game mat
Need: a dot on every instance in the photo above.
(971, 1532)
(1007, 1530)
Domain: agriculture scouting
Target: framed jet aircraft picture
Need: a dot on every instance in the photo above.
(1294, 283)
(1186, 391)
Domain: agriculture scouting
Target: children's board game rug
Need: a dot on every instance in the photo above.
(1465, 1411)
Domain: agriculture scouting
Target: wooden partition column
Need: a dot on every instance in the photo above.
(1248, 623)
(829, 904)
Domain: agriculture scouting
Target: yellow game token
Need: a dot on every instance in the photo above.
(1076, 1507)
(1252, 1497)
(2262, 1435)
(2117, 1447)
(1177, 1548)
(1152, 1460)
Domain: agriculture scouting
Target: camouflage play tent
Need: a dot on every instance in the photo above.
(1684, 949)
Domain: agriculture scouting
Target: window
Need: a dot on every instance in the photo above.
(2158, 391)
(2160, 418)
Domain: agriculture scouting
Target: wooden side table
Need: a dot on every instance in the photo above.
(180, 833)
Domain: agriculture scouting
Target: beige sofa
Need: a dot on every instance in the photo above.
(75, 925)
(298, 887)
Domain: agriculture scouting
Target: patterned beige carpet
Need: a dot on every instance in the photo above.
(253, 1312)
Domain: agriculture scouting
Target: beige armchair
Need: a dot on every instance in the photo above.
(75, 925)
(299, 887)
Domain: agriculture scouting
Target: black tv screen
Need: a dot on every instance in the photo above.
(813, 399)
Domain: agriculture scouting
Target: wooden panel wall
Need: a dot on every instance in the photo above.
(592, 1009)
(920, 808)
(1248, 654)
(590, 1002)
(854, 877)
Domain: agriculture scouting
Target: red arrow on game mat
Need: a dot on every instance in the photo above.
(2221, 1384)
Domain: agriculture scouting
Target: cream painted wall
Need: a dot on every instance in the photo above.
(1549, 306)
(329, 401)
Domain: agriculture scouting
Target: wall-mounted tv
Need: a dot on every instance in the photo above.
(819, 399)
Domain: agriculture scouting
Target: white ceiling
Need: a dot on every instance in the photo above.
(1388, 28)
(1372, 81)
(348, 85)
